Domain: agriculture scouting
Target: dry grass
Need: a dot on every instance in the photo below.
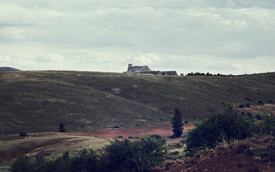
(50, 146)
(39, 100)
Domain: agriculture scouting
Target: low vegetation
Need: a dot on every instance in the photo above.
(23, 134)
(227, 127)
(147, 152)
(36, 101)
(61, 127)
(139, 155)
(219, 128)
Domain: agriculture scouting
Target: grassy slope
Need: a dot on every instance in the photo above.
(39, 100)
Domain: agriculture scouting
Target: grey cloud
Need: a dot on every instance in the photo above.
(95, 31)
(43, 59)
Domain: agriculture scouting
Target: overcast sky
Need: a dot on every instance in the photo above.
(217, 36)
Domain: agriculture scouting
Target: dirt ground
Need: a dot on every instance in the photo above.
(227, 157)
(53, 144)
(164, 131)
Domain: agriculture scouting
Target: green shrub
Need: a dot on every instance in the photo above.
(268, 124)
(22, 164)
(61, 127)
(219, 128)
(258, 117)
(140, 155)
(23, 134)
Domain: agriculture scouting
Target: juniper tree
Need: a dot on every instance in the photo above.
(61, 127)
(177, 124)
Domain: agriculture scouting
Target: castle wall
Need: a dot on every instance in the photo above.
(147, 70)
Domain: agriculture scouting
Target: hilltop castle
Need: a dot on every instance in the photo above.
(147, 70)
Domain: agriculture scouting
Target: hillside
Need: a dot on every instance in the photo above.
(254, 154)
(39, 100)
(5, 69)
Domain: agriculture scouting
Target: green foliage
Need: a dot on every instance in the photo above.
(177, 124)
(23, 134)
(140, 155)
(219, 128)
(268, 126)
(61, 127)
(22, 164)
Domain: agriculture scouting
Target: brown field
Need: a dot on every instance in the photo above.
(53, 144)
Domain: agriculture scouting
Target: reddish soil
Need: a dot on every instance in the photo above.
(230, 158)
(164, 131)
(9, 155)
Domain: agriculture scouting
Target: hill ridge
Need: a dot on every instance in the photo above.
(97, 100)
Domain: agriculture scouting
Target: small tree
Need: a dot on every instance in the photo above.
(177, 124)
(61, 127)
(23, 134)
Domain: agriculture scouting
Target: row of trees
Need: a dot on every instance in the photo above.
(206, 74)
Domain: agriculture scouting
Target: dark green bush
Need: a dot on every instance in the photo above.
(258, 117)
(218, 128)
(61, 127)
(22, 164)
(268, 127)
(260, 103)
(23, 134)
(241, 106)
(140, 155)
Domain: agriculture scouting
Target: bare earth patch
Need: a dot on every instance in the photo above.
(53, 144)
(164, 131)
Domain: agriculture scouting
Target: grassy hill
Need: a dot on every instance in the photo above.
(39, 100)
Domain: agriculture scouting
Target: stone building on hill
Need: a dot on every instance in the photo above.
(146, 70)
